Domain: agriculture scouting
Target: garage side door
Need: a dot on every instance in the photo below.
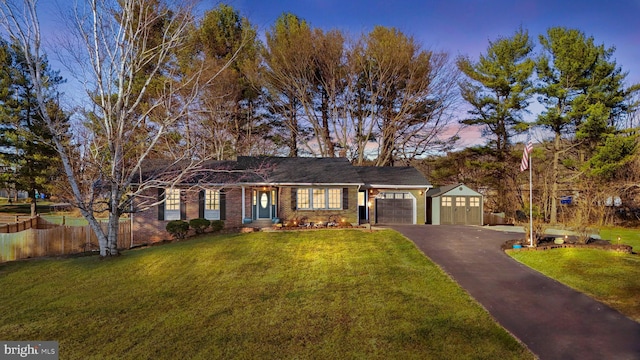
(394, 211)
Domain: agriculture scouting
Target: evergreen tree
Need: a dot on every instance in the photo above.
(26, 152)
(583, 92)
(498, 88)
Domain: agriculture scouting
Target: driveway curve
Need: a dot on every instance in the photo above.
(551, 319)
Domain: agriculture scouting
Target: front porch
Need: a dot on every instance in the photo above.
(259, 206)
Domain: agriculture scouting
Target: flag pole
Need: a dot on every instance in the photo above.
(526, 162)
(530, 204)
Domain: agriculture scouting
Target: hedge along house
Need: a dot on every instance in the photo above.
(454, 204)
(255, 191)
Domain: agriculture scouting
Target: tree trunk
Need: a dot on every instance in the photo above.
(326, 132)
(114, 220)
(34, 208)
(385, 154)
(553, 214)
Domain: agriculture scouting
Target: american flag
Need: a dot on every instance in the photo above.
(524, 164)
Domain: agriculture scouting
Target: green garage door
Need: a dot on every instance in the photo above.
(462, 210)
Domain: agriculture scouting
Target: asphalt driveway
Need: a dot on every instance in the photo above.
(554, 321)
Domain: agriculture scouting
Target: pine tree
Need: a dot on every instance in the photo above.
(583, 92)
(26, 152)
(498, 88)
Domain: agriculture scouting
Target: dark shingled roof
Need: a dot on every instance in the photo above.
(301, 170)
(392, 175)
(287, 170)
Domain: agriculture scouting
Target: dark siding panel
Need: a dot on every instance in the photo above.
(223, 205)
(345, 198)
(160, 205)
(294, 198)
(183, 205)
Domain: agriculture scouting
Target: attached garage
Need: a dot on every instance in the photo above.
(454, 205)
(395, 208)
(392, 195)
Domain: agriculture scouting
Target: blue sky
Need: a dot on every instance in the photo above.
(464, 27)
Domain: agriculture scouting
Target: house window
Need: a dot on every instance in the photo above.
(460, 202)
(172, 204)
(212, 200)
(474, 202)
(319, 198)
(212, 204)
(394, 195)
(335, 197)
(303, 199)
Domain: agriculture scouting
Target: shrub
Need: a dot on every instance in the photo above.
(199, 225)
(217, 225)
(178, 229)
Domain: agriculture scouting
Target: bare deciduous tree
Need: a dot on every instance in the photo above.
(126, 58)
(399, 95)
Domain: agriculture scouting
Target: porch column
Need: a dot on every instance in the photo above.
(243, 205)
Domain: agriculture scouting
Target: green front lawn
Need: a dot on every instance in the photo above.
(327, 294)
(627, 236)
(610, 277)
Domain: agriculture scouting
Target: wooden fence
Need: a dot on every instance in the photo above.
(495, 219)
(12, 224)
(47, 239)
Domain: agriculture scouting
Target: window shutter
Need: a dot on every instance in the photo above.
(294, 198)
(201, 204)
(223, 205)
(160, 204)
(183, 205)
(345, 198)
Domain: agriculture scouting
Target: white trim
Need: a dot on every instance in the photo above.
(244, 211)
(274, 184)
(401, 187)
